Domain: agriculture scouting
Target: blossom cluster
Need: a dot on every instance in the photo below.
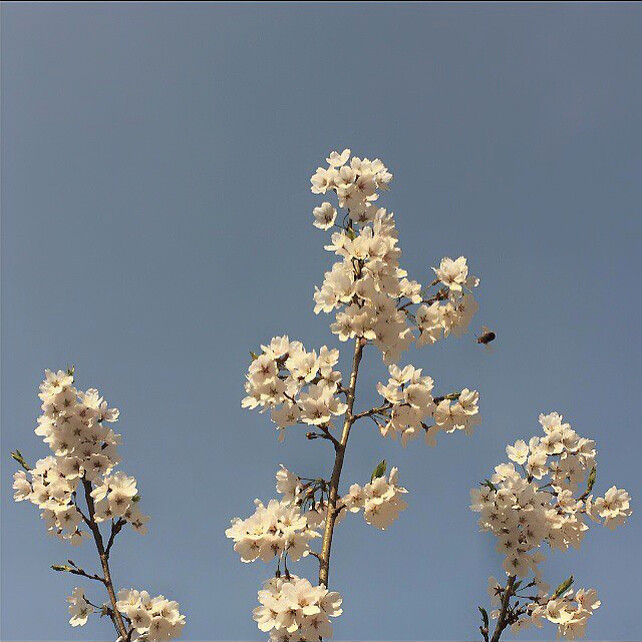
(116, 497)
(381, 500)
(152, 618)
(409, 404)
(296, 385)
(79, 607)
(272, 531)
(570, 612)
(535, 499)
(458, 308)
(291, 608)
(367, 289)
(75, 426)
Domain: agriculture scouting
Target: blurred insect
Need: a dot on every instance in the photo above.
(486, 337)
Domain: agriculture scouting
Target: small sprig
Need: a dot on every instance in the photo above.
(16, 455)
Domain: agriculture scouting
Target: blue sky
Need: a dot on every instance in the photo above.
(157, 226)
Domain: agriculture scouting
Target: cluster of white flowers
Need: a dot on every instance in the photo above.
(296, 385)
(454, 314)
(355, 184)
(381, 500)
(272, 531)
(292, 609)
(117, 497)
(570, 612)
(79, 608)
(459, 413)
(568, 609)
(284, 527)
(368, 289)
(152, 618)
(534, 499)
(47, 487)
(410, 403)
(73, 424)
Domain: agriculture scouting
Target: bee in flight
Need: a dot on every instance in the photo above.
(486, 337)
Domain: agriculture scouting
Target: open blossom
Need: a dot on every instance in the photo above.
(613, 508)
(291, 608)
(21, 485)
(152, 618)
(453, 274)
(324, 216)
(542, 502)
(518, 452)
(381, 500)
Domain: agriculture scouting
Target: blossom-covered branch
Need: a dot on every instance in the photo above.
(543, 496)
(374, 303)
(77, 490)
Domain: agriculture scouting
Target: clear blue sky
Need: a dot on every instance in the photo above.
(157, 226)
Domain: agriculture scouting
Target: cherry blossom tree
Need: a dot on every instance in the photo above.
(79, 492)
(375, 307)
(543, 496)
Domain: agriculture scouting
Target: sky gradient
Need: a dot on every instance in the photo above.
(157, 226)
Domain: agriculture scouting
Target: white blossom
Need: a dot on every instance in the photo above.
(324, 216)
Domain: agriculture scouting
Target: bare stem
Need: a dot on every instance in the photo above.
(75, 570)
(340, 449)
(373, 411)
(502, 622)
(117, 618)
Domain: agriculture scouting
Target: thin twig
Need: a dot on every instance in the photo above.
(116, 527)
(373, 411)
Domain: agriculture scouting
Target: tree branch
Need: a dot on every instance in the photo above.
(116, 616)
(502, 622)
(75, 570)
(373, 411)
(340, 449)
